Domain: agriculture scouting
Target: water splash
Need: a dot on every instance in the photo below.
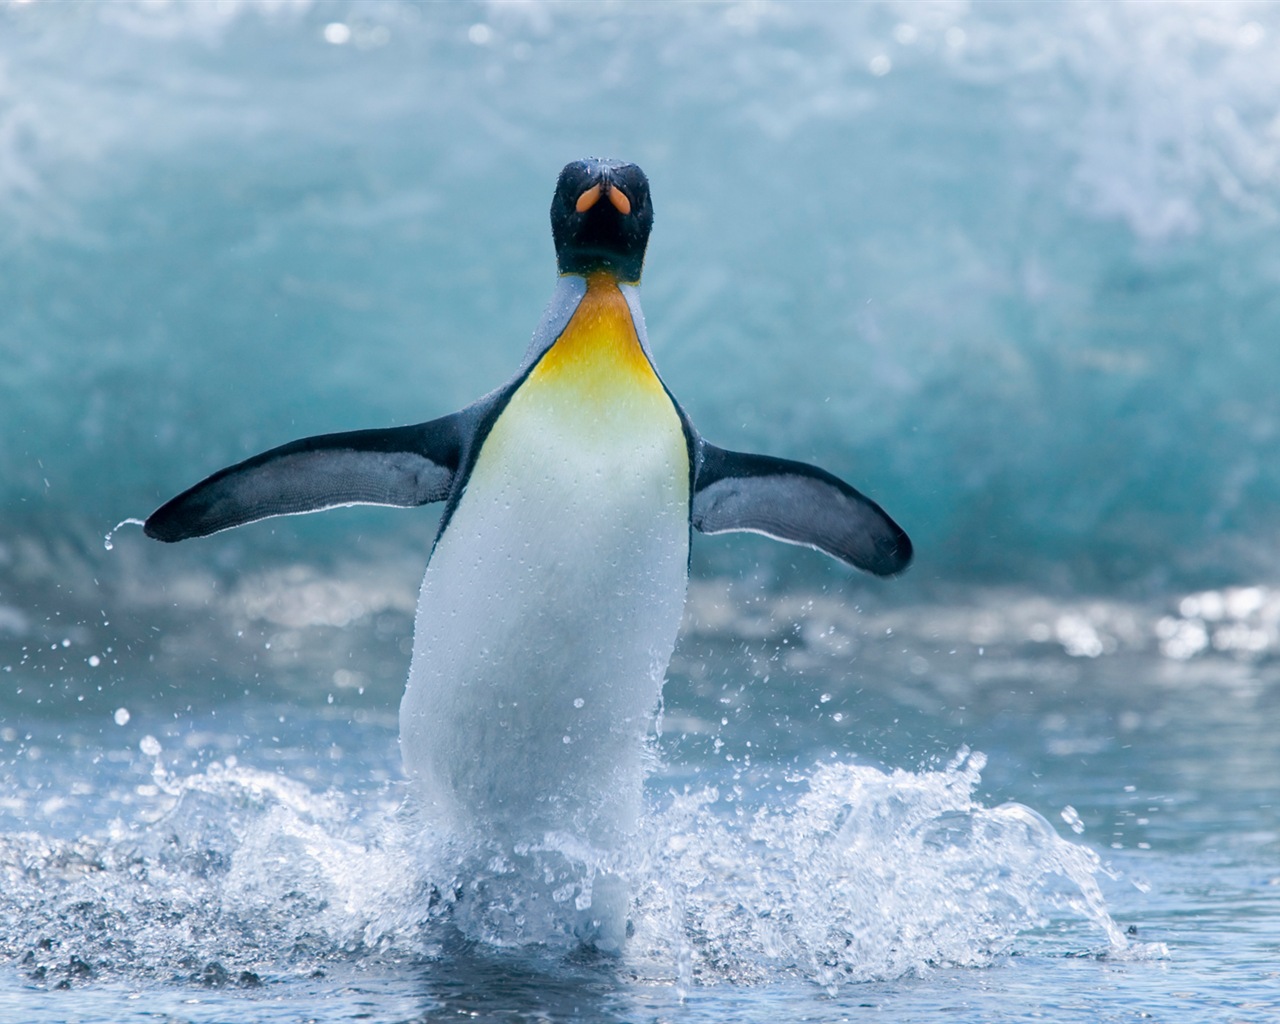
(868, 875)
(246, 875)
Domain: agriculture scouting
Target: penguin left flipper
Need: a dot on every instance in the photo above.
(796, 503)
(400, 466)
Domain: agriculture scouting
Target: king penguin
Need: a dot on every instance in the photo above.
(556, 584)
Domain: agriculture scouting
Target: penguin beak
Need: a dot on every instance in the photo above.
(606, 188)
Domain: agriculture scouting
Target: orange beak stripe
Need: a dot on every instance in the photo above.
(588, 199)
(619, 199)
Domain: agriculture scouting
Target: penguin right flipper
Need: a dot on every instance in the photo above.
(797, 503)
(400, 466)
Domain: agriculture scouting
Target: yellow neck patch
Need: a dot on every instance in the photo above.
(598, 353)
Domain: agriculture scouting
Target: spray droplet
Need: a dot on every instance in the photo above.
(150, 746)
(106, 541)
(121, 716)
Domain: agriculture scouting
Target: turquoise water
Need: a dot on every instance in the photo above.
(1009, 268)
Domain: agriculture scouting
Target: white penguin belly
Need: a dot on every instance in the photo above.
(548, 614)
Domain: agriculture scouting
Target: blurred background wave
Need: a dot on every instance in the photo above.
(1012, 269)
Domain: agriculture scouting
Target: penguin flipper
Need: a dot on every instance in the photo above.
(400, 466)
(796, 503)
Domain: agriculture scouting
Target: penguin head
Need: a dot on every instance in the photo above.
(601, 216)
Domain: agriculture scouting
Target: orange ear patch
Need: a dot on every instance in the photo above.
(588, 199)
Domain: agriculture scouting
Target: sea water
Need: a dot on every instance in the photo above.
(1009, 268)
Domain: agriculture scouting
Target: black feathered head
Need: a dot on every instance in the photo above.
(601, 217)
